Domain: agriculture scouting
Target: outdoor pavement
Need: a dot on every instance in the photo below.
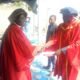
(38, 73)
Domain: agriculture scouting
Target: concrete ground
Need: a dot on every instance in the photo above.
(38, 73)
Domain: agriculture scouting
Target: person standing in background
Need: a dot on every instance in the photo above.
(50, 33)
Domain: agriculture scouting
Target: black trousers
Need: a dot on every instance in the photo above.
(51, 60)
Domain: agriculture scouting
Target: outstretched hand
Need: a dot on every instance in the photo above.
(58, 52)
(38, 49)
(49, 43)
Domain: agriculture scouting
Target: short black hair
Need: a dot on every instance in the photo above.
(52, 16)
(69, 11)
(16, 14)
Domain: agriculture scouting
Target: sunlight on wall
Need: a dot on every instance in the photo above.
(49, 7)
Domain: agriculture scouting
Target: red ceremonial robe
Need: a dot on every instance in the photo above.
(16, 55)
(67, 64)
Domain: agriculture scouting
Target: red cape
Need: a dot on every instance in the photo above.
(16, 55)
(67, 64)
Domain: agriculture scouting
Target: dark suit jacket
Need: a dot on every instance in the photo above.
(51, 31)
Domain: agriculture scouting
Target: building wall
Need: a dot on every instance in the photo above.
(7, 9)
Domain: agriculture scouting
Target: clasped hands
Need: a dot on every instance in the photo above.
(40, 48)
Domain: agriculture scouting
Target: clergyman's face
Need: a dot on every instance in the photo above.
(22, 20)
(66, 18)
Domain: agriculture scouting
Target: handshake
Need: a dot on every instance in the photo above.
(40, 48)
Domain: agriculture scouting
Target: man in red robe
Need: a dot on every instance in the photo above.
(16, 50)
(68, 46)
(68, 43)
